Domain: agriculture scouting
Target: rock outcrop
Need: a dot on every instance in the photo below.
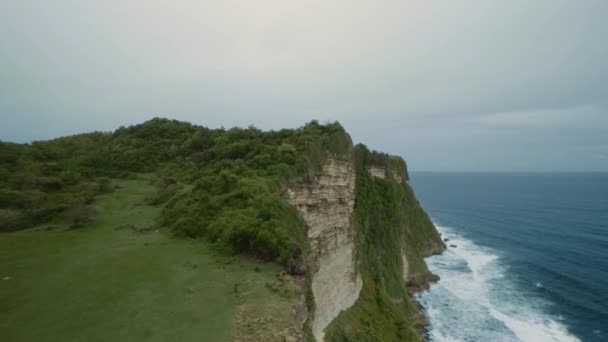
(381, 172)
(377, 171)
(326, 205)
(406, 267)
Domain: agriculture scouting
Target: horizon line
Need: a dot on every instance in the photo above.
(511, 171)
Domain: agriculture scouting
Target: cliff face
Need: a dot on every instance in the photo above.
(326, 204)
(368, 236)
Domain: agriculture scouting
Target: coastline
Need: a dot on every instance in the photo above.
(421, 282)
(468, 293)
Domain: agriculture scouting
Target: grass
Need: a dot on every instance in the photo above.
(98, 283)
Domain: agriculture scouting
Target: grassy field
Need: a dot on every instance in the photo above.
(100, 283)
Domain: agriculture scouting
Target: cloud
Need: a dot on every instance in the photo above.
(469, 73)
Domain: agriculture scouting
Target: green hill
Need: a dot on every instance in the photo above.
(171, 231)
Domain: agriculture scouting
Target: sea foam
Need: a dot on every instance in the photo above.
(476, 300)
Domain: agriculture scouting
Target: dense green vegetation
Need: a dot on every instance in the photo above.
(389, 222)
(236, 197)
(234, 179)
(114, 280)
(220, 186)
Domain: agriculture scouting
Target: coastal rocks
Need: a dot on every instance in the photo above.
(433, 248)
(418, 320)
(326, 204)
(420, 281)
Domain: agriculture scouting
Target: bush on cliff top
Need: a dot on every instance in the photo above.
(236, 197)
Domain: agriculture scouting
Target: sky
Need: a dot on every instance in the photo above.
(469, 85)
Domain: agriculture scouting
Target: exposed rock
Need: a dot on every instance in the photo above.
(326, 205)
(299, 310)
(433, 249)
(296, 265)
(405, 266)
(419, 321)
(377, 171)
(381, 172)
(401, 178)
(420, 281)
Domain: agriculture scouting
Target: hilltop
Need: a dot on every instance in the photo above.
(180, 231)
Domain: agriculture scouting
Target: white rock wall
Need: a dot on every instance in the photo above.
(377, 171)
(327, 205)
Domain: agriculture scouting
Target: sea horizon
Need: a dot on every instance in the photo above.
(512, 172)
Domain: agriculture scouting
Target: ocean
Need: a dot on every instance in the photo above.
(527, 256)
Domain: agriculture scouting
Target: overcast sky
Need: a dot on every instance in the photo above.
(449, 85)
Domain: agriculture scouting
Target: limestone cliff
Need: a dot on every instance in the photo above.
(326, 204)
(368, 236)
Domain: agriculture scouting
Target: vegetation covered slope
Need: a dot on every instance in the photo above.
(225, 187)
(389, 223)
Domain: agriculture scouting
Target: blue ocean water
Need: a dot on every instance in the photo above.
(527, 256)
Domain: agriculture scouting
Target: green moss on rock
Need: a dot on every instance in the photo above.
(389, 223)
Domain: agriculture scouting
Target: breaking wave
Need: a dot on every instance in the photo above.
(477, 299)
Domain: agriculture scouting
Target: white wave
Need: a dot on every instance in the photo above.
(535, 329)
(474, 300)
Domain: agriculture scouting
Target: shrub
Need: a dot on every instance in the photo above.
(80, 214)
(11, 219)
(105, 185)
(12, 198)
